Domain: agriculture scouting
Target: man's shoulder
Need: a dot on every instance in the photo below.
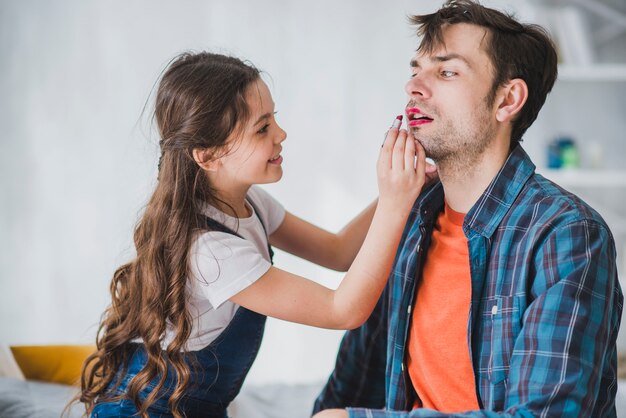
(545, 202)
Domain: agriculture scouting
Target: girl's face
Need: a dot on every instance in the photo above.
(254, 155)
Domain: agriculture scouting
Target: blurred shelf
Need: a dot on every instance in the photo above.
(595, 72)
(602, 178)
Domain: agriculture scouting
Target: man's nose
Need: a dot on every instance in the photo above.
(417, 87)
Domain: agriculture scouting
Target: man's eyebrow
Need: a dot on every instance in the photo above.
(442, 58)
(449, 57)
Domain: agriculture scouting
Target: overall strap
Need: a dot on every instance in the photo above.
(214, 225)
(269, 247)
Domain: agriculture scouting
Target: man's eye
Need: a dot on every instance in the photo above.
(447, 74)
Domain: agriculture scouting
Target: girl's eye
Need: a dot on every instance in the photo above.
(263, 129)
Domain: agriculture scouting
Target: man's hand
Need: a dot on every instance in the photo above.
(332, 413)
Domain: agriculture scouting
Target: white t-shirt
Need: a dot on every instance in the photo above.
(223, 264)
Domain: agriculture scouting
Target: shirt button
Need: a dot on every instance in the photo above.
(402, 366)
(494, 310)
(408, 310)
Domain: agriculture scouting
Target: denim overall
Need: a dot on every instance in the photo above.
(217, 371)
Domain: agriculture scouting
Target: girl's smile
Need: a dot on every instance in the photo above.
(276, 160)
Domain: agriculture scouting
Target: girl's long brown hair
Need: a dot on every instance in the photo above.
(200, 102)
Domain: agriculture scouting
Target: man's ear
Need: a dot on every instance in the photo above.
(205, 158)
(511, 100)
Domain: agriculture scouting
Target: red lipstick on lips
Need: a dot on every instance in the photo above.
(415, 117)
(418, 122)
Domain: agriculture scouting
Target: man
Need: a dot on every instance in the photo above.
(504, 299)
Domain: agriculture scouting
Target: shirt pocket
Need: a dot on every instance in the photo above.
(503, 315)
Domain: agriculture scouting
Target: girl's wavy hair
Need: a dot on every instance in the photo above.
(200, 102)
(516, 50)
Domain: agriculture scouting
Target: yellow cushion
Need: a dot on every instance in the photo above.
(52, 363)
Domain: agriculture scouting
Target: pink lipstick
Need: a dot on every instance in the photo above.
(397, 122)
(417, 122)
(416, 117)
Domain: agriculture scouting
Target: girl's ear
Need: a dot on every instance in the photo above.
(512, 98)
(204, 157)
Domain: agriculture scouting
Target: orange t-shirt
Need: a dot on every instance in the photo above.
(438, 356)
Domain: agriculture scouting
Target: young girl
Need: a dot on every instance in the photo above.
(187, 314)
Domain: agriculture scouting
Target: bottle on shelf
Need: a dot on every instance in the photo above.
(563, 153)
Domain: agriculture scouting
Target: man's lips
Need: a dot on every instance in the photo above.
(418, 122)
(415, 117)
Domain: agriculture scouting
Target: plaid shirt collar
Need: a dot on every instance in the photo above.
(487, 213)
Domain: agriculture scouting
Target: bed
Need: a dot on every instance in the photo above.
(36, 382)
(35, 399)
(29, 399)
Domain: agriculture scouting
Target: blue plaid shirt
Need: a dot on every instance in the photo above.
(544, 315)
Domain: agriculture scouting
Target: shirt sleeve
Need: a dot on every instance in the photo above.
(224, 264)
(359, 375)
(566, 346)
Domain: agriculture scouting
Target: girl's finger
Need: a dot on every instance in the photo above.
(397, 158)
(409, 154)
(420, 158)
(388, 144)
(397, 122)
(430, 167)
(431, 172)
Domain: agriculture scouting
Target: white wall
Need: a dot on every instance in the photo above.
(77, 160)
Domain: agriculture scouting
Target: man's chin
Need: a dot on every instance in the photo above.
(425, 144)
(433, 156)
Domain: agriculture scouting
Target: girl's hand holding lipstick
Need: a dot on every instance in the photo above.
(401, 169)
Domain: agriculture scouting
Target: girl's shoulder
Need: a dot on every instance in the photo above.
(221, 265)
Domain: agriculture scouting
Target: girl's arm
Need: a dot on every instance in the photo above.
(293, 298)
(334, 251)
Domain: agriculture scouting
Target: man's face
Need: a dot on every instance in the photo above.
(448, 110)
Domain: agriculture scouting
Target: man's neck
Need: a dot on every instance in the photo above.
(463, 184)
